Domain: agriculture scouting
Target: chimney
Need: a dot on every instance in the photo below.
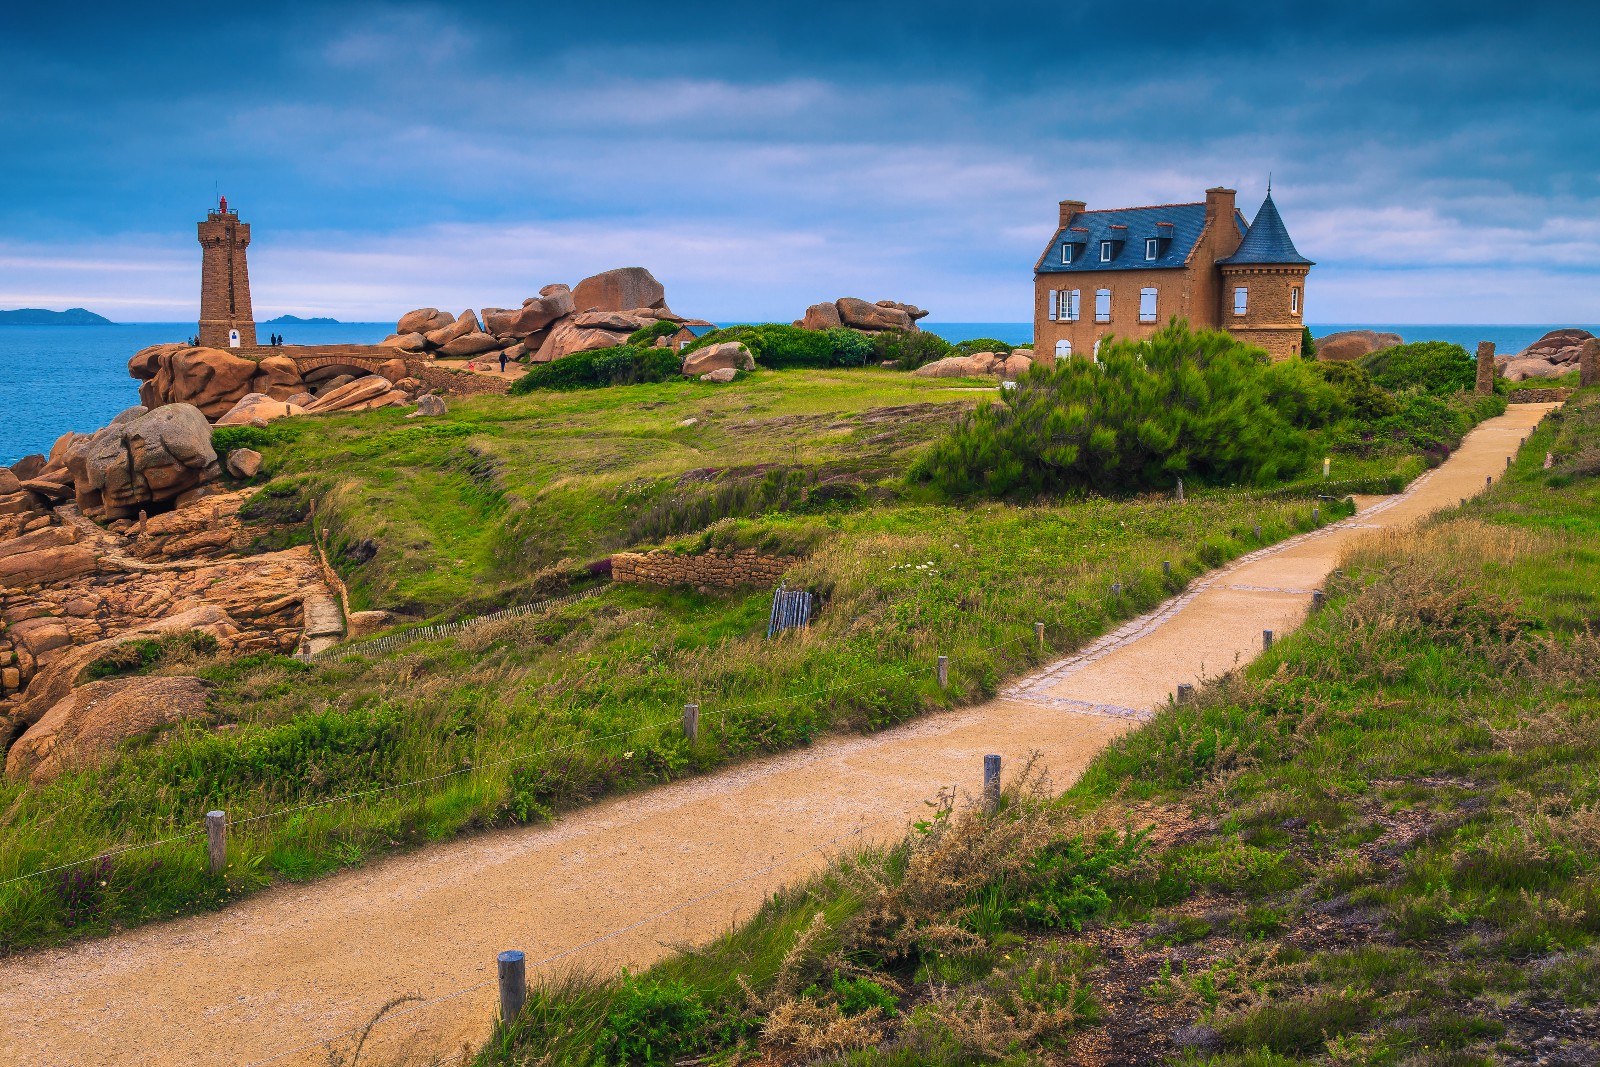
(1070, 208)
(1219, 203)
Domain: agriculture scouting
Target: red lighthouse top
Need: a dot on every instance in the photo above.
(222, 204)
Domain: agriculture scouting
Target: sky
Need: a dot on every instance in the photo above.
(1439, 161)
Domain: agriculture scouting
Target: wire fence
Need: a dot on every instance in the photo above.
(390, 642)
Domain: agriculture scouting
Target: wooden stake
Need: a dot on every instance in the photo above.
(217, 841)
(1316, 600)
(1038, 631)
(1185, 692)
(1266, 640)
(1166, 567)
(991, 782)
(944, 672)
(513, 968)
(691, 721)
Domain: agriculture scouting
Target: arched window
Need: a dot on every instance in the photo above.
(1063, 349)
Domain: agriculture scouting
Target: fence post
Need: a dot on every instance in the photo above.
(217, 841)
(1166, 567)
(1116, 588)
(1488, 479)
(1185, 692)
(1316, 516)
(1327, 465)
(1180, 490)
(513, 967)
(1258, 531)
(1266, 640)
(691, 721)
(1316, 600)
(1038, 631)
(944, 672)
(1508, 463)
(991, 782)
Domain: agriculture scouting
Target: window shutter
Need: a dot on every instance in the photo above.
(1053, 296)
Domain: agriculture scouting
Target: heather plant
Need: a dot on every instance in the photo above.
(1199, 406)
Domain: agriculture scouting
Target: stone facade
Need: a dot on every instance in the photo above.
(225, 280)
(1186, 280)
(724, 569)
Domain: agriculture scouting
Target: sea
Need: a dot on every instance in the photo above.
(59, 378)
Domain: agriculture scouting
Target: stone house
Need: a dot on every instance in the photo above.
(690, 332)
(1127, 271)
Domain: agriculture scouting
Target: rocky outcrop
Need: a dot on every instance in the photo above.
(143, 458)
(424, 320)
(255, 409)
(429, 405)
(86, 725)
(50, 554)
(1520, 370)
(720, 376)
(1560, 347)
(1353, 344)
(977, 365)
(860, 315)
(208, 378)
(244, 462)
(729, 355)
(821, 317)
(621, 289)
(535, 314)
(568, 337)
(363, 394)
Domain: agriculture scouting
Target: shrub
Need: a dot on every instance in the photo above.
(645, 336)
(1308, 344)
(1361, 397)
(225, 439)
(910, 349)
(1434, 366)
(851, 348)
(981, 344)
(622, 365)
(781, 347)
(1181, 404)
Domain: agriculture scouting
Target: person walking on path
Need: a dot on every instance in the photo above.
(502, 361)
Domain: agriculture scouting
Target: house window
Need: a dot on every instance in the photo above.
(1241, 300)
(1053, 299)
(1066, 253)
(1105, 251)
(1070, 311)
(1102, 305)
(1294, 300)
(1063, 349)
(1151, 248)
(1147, 305)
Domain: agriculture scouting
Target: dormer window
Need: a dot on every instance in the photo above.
(1066, 253)
(1106, 251)
(1152, 248)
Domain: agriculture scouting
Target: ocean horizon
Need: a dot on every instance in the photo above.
(55, 379)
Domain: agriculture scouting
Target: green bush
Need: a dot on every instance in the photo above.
(1201, 406)
(622, 365)
(851, 348)
(780, 347)
(1308, 344)
(1434, 366)
(645, 336)
(982, 344)
(225, 439)
(910, 349)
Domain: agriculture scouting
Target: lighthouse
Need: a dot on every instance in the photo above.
(226, 318)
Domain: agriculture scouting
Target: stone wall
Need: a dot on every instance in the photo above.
(1538, 396)
(725, 569)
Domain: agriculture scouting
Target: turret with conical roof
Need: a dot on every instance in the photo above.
(1263, 285)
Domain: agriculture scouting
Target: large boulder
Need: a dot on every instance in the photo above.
(209, 378)
(465, 323)
(720, 376)
(87, 724)
(52, 554)
(423, 320)
(1015, 366)
(1353, 344)
(1558, 346)
(567, 337)
(277, 377)
(1520, 370)
(150, 458)
(623, 322)
(244, 462)
(821, 317)
(972, 366)
(363, 394)
(468, 345)
(29, 466)
(536, 313)
(864, 316)
(912, 311)
(407, 342)
(729, 355)
(258, 406)
(619, 290)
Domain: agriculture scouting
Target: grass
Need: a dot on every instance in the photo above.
(514, 722)
(1377, 844)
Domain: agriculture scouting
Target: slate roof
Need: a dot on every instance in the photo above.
(1131, 225)
(698, 328)
(1267, 240)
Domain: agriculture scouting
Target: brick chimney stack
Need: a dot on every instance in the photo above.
(1219, 221)
(1070, 208)
(1219, 203)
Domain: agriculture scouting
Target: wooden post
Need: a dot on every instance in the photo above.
(1316, 516)
(217, 841)
(1316, 600)
(991, 782)
(1266, 640)
(944, 672)
(1488, 480)
(1258, 531)
(691, 721)
(1038, 631)
(1508, 463)
(1116, 588)
(1185, 692)
(1166, 567)
(1180, 490)
(513, 968)
(1327, 465)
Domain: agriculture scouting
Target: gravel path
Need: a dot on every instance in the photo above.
(297, 964)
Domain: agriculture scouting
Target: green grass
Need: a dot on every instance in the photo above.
(1378, 844)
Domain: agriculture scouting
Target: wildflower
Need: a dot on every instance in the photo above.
(627, 755)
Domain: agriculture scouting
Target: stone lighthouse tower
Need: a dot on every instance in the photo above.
(226, 319)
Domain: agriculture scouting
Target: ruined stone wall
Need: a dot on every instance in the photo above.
(724, 569)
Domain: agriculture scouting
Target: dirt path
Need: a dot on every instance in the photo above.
(299, 963)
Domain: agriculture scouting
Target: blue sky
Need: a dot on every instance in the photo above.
(1440, 162)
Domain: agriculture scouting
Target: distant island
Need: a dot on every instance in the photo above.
(296, 320)
(41, 317)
